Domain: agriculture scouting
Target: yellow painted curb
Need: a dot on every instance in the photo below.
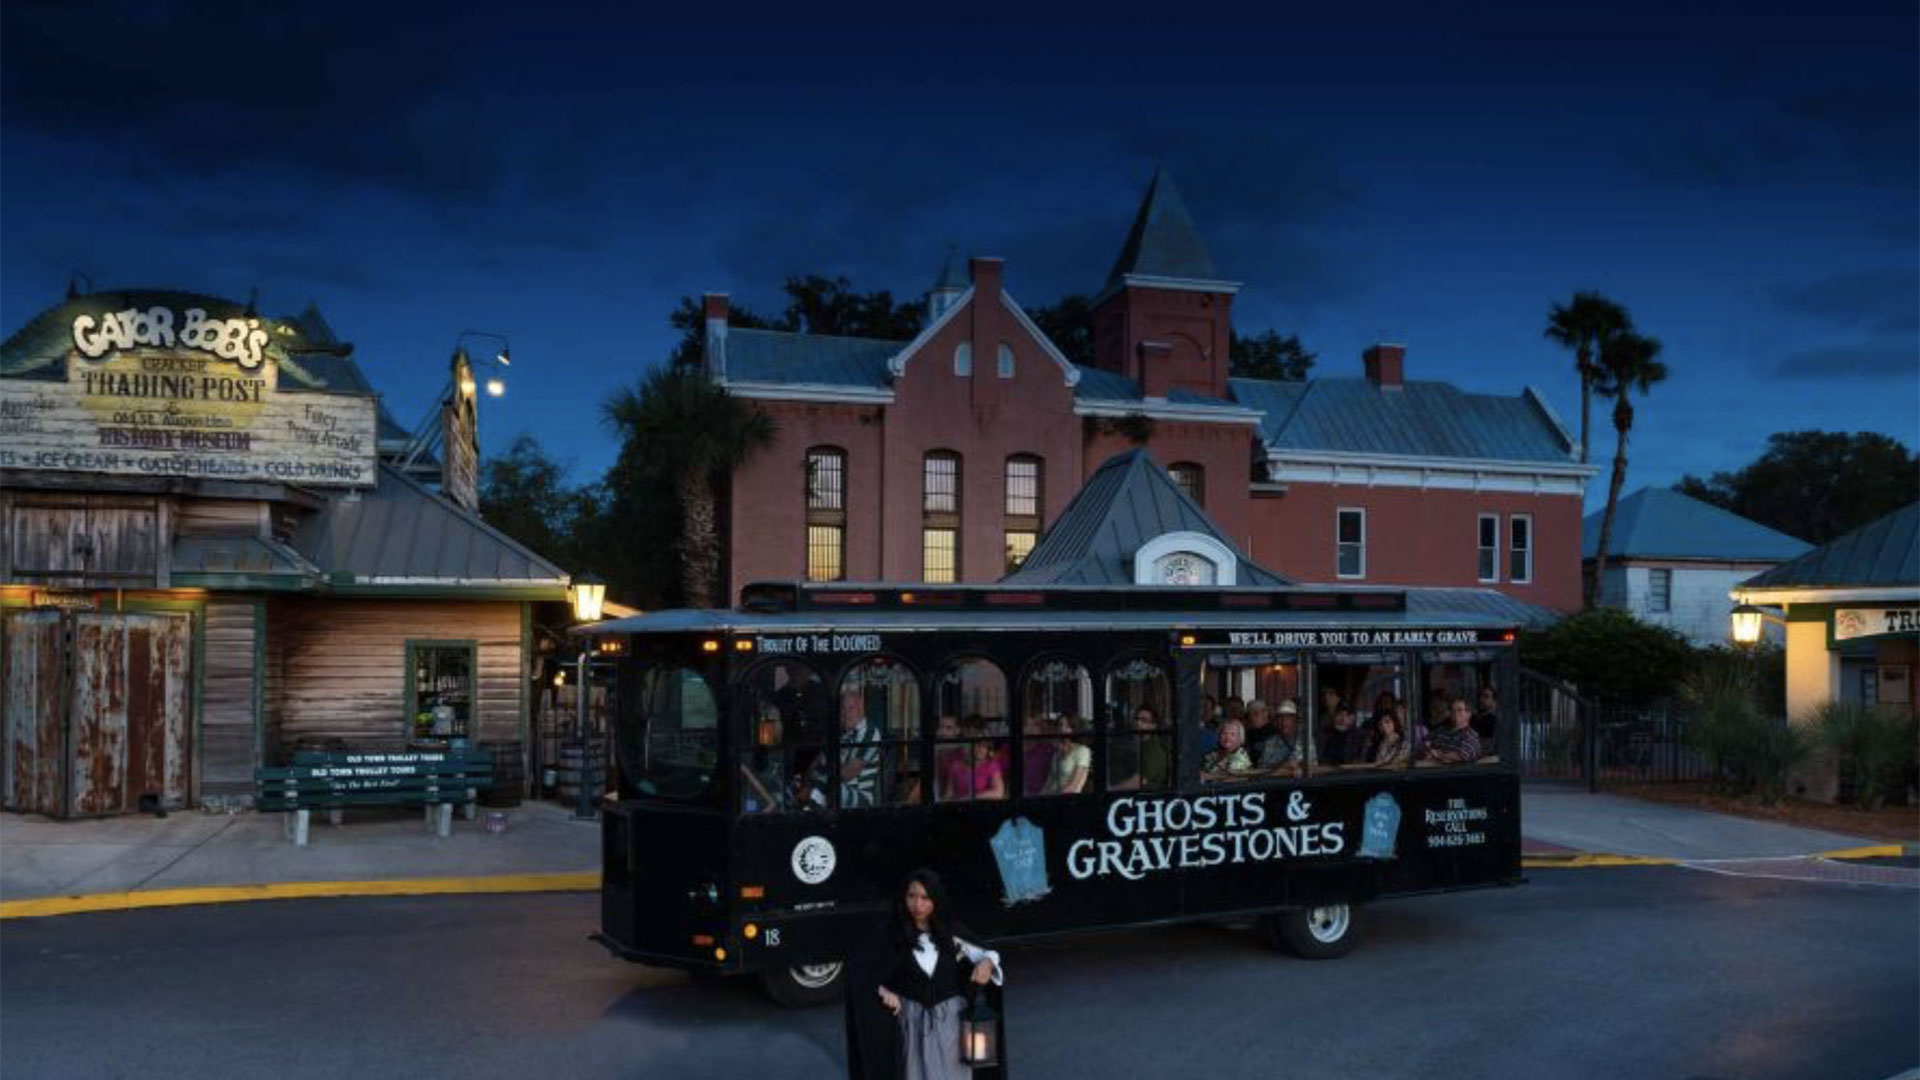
(1872, 851)
(584, 881)
(1575, 862)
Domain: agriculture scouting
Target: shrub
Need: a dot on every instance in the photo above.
(1610, 656)
(1874, 748)
(1747, 750)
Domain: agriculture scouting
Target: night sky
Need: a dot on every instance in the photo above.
(1742, 176)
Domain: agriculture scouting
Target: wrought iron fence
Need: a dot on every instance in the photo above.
(1563, 736)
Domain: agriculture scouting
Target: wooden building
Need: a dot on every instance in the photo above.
(215, 543)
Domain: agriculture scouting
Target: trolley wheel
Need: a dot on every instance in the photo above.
(805, 985)
(1316, 933)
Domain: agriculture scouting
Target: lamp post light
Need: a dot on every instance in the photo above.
(1748, 622)
(588, 594)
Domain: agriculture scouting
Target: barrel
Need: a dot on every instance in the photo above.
(569, 771)
(509, 773)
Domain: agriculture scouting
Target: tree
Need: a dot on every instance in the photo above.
(815, 305)
(1068, 323)
(1585, 325)
(1267, 355)
(1627, 363)
(524, 494)
(1815, 485)
(679, 429)
(1609, 656)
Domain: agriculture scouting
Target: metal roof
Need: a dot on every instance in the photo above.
(1420, 419)
(684, 621)
(815, 359)
(402, 533)
(1661, 523)
(1163, 241)
(1127, 502)
(250, 556)
(1883, 552)
(1098, 384)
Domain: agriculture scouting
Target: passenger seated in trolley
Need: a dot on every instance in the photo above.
(1455, 744)
(1286, 751)
(1229, 760)
(1138, 759)
(859, 754)
(975, 775)
(1072, 761)
(762, 788)
(1389, 748)
(1036, 760)
(1344, 743)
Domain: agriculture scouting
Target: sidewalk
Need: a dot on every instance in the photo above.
(191, 857)
(58, 867)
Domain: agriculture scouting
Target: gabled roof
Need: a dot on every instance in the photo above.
(1126, 503)
(1420, 419)
(1163, 242)
(1659, 523)
(1883, 552)
(401, 534)
(813, 359)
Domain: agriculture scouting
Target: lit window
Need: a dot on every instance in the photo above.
(1659, 590)
(1023, 507)
(1520, 549)
(1190, 479)
(1351, 543)
(940, 517)
(1489, 547)
(826, 514)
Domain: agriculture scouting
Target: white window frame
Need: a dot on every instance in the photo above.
(1337, 542)
(1514, 549)
(1653, 593)
(1480, 547)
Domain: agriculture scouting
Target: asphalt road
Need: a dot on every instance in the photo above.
(1583, 973)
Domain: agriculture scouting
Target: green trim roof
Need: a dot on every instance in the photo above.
(1883, 552)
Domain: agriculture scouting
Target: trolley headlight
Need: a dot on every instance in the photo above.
(708, 893)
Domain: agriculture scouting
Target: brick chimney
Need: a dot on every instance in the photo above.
(715, 352)
(984, 330)
(1386, 366)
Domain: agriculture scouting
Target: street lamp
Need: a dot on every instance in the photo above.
(1747, 623)
(429, 435)
(588, 594)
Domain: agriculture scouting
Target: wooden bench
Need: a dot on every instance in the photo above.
(334, 780)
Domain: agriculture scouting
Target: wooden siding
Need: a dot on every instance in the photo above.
(77, 540)
(338, 669)
(222, 517)
(227, 751)
(33, 679)
(132, 712)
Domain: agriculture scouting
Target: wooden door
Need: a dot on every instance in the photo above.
(132, 714)
(33, 688)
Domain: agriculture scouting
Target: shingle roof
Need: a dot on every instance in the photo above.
(1662, 523)
(816, 359)
(401, 532)
(1883, 552)
(1163, 241)
(1421, 419)
(1125, 503)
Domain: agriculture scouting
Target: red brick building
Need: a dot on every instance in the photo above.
(943, 458)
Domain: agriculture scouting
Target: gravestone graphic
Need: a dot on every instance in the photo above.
(1380, 823)
(1020, 847)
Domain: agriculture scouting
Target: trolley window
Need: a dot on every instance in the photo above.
(1139, 735)
(1056, 755)
(879, 735)
(673, 749)
(1254, 701)
(783, 766)
(1456, 683)
(972, 752)
(1360, 700)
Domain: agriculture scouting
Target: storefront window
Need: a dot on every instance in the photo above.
(440, 689)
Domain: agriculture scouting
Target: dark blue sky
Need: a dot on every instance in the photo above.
(1742, 176)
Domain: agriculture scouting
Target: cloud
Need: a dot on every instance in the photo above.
(1862, 131)
(1864, 360)
(1877, 300)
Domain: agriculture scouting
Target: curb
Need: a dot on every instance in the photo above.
(583, 881)
(1580, 860)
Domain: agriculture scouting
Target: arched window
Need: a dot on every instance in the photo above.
(1140, 742)
(971, 754)
(963, 358)
(826, 514)
(1056, 730)
(1191, 479)
(1024, 507)
(940, 517)
(1006, 361)
(879, 733)
(781, 730)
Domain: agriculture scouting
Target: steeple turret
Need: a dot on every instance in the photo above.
(948, 287)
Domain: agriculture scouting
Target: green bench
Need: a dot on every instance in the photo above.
(334, 780)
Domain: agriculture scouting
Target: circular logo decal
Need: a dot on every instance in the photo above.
(813, 860)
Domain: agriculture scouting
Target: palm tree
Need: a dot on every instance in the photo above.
(1626, 364)
(1585, 325)
(681, 428)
